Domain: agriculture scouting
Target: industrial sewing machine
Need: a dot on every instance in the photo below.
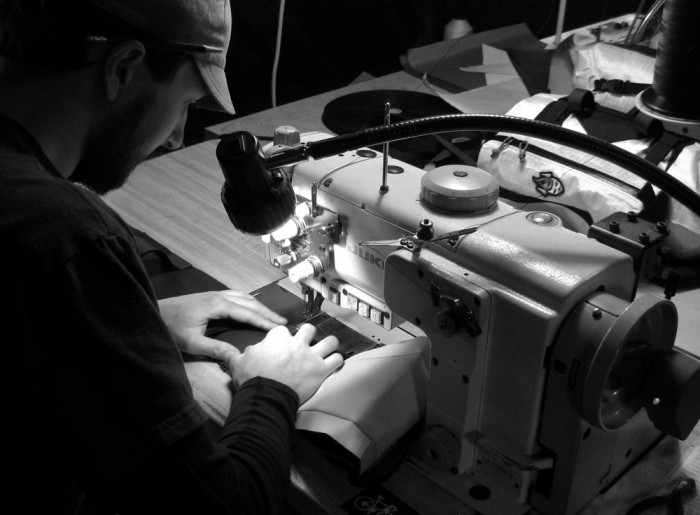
(548, 378)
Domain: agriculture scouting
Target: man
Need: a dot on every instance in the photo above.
(98, 413)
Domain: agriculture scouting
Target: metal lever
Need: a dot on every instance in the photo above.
(413, 242)
(454, 315)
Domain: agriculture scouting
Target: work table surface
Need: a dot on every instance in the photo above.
(176, 200)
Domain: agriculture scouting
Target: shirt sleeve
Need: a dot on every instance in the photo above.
(246, 471)
(128, 415)
(117, 388)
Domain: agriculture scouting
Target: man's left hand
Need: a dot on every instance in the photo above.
(187, 317)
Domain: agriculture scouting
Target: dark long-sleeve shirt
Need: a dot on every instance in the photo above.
(99, 410)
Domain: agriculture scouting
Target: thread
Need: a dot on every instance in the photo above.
(677, 68)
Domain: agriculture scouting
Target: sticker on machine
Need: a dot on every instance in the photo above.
(378, 501)
(548, 185)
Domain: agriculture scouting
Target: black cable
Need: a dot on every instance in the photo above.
(673, 500)
(494, 123)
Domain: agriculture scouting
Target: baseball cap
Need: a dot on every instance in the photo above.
(202, 26)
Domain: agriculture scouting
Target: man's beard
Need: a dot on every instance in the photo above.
(112, 155)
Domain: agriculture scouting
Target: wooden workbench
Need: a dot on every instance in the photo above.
(176, 200)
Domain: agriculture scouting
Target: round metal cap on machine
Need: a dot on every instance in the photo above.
(459, 188)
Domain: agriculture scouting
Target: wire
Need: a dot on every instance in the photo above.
(634, 20)
(278, 48)
(672, 500)
(561, 15)
(552, 5)
(495, 123)
(424, 78)
(646, 27)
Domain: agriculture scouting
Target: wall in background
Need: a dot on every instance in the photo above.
(327, 44)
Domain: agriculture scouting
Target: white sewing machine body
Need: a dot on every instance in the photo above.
(515, 312)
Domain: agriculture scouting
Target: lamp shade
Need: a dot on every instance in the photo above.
(257, 200)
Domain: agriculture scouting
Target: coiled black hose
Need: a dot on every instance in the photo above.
(492, 123)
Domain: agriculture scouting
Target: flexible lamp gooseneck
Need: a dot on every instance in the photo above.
(258, 195)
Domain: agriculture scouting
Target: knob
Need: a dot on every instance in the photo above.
(310, 267)
(439, 448)
(459, 188)
(287, 136)
(445, 322)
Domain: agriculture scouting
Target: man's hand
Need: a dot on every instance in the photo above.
(289, 359)
(187, 317)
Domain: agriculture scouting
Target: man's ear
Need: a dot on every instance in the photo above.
(122, 66)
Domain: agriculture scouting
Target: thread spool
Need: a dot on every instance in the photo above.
(672, 95)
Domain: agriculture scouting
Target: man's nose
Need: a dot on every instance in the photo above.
(177, 136)
(174, 141)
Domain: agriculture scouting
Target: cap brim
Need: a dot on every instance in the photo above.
(219, 98)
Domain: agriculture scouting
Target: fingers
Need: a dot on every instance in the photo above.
(272, 333)
(325, 348)
(289, 359)
(245, 308)
(216, 349)
(306, 333)
(334, 362)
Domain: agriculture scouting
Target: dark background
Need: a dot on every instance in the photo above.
(326, 44)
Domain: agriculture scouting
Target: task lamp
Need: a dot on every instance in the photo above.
(258, 195)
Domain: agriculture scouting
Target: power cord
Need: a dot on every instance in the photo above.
(278, 48)
(673, 500)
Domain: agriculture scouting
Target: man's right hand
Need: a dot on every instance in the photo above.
(291, 360)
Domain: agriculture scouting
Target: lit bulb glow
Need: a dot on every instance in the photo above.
(302, 271)
(288, 230)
